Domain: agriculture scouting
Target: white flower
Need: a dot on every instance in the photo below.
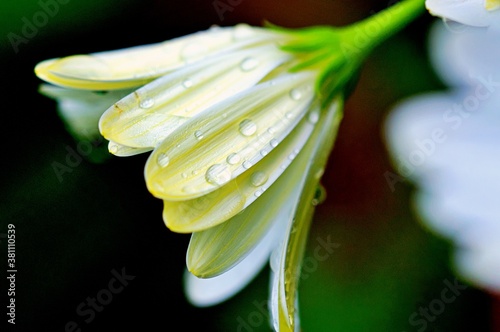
(448, 143)
(478, 13)
(233, 121)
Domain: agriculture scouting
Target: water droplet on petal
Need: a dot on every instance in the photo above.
(319, 195)
(242, 31)
(313, 117)
(248, 127)
(198, 135)
(295, 94)
(187, 83)
(163, 160)
(218, 174)
(233, 159)
(289, 115)
(258, 178)
(249, 64)
(258, 193)
(184, 175)
(274, 142)
(147, 103)
(247, 164)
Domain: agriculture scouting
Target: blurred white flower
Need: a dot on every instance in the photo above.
(477, 13)
(448, 143)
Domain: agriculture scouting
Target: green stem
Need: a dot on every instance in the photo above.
(363, 36)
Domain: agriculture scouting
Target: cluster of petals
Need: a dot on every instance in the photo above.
(238, 142)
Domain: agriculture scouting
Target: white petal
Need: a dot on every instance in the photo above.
(81, 110)
(246, 124)
(135, 66)
(470, 12)
(287, 259)
(466, 58)
(207, 292)
(150, 114)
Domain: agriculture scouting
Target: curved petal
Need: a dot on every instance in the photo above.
(217, 249)
(286, 260)
(478, 13)
(81, 110)
(214, 208)
(193, 161)
(207, 292)
(135, 66)
(147, 116)
(125, 151)
(468, 58)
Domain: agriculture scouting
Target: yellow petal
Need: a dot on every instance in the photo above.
(216, 207)
(135, 66)
(286, 261)
(197, 158)
(147, 116)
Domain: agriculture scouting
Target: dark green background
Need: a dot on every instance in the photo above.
(71, 234)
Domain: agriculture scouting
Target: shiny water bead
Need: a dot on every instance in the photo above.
(247, 164)
(249, 64)
(258, 178)
(247, 127)
(187, 83)
(163, 160)
(198, 134)
(218, 174)
(313, 117)
(233, 159)
(147, 103)
(295, 94)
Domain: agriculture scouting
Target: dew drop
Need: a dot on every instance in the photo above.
(147, 103)
(271, 130)
(218, 174)
(319, 195)
(289, 115)
(184, 175)
(295, 94)
(258, 178)
(274, 142)
(233, 159)
(247, 164)
(264, 152)
(313, 117)
(187, 83)
(242, 31)
(248, 127)
(249, 64)
(258, 193)
(163, 160)
(198, 135)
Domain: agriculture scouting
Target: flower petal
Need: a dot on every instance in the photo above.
(211, 209)
(81, 110)
(207, 292)
(193, 161)
(286, 260)
(125, 151)
(147, 116)
(135, 66)
(471, 12)
(217, 249)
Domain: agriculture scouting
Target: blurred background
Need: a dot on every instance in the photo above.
(386, 271)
